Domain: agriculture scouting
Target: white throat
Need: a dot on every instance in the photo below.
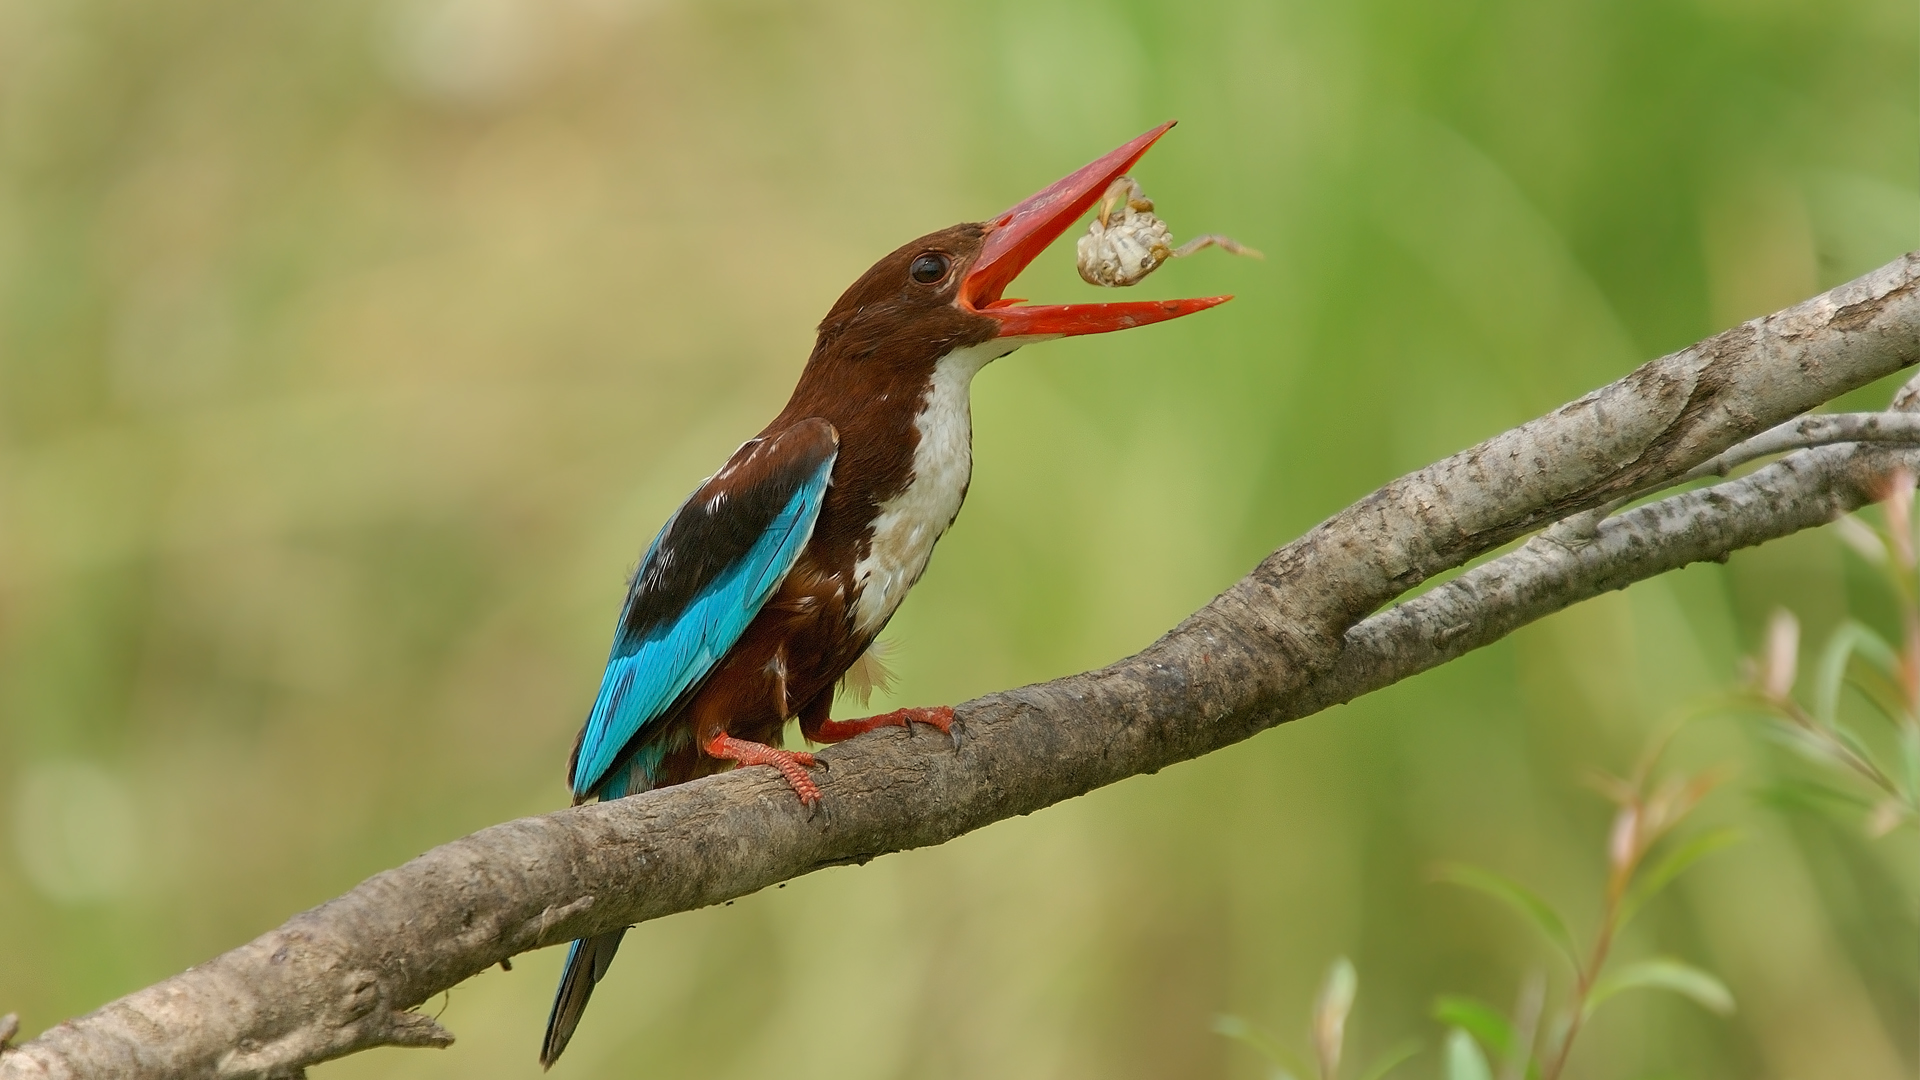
(911, 522)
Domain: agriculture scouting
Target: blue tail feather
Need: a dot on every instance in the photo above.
(587, 963)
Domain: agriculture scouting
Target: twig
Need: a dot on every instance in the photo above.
(1810, 431)
(1805, 433)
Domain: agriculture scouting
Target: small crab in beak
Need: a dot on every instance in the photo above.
(1126, 242)
(1016, 237)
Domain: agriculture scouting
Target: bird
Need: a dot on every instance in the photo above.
(777, 574)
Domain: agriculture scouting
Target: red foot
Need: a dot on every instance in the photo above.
(833, 731)
(789, 762)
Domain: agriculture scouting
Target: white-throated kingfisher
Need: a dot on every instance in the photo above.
(778, 572)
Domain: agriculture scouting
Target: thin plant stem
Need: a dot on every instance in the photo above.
(1587, 974)
(1864, 767)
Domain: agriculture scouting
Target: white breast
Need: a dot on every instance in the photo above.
(910, 522)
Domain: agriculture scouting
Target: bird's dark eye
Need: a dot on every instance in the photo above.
(929, 268)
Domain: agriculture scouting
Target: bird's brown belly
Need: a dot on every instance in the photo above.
(791, 656)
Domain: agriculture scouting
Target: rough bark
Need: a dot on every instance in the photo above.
(1292, 637)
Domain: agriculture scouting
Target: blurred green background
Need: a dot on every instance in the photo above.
(350, 353)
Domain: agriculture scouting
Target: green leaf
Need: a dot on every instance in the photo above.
(1481, 1020)
(1646, 886)
(1235, 1028)
(1850, 638)
(1807, 744)
(1910, 757)
(1846, 737)
(1521, 898)
(1663, 974)
(1881, 691)
(1877, 650)
(1464, 1061)
(1391, 1060)
(1811, 796)
(1831, 673)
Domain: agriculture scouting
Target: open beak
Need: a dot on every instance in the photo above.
(1017, 237)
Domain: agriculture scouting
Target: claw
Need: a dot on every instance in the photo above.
(936, 716)
(791, 763)
(833, 731)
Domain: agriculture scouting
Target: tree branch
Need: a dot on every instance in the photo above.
(1808, 431)
(1292, 637)
(1547, 574)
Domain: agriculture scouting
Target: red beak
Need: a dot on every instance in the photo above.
(1018, 236)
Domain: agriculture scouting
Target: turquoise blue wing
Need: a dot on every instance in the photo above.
(709, 572)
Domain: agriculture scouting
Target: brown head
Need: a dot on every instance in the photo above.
(944, 292)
